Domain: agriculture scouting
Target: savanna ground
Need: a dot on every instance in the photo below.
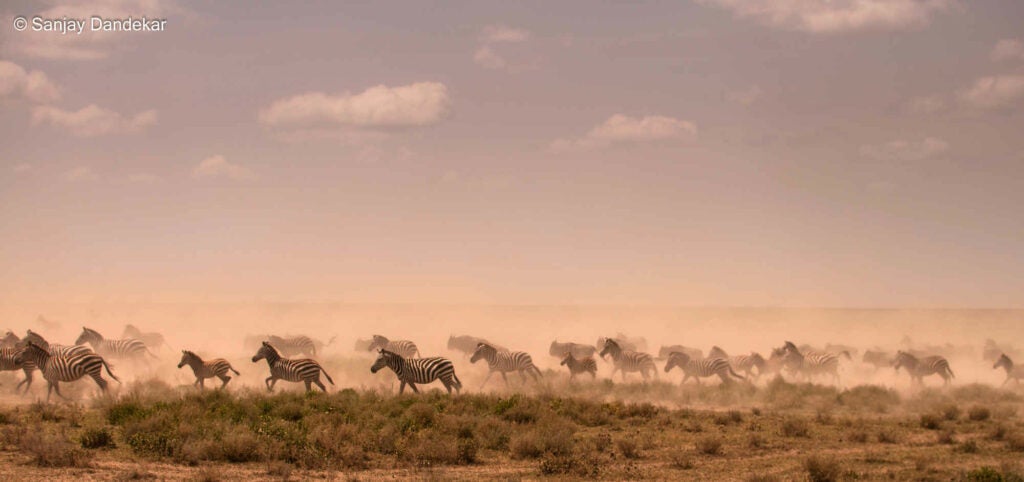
(775, 430)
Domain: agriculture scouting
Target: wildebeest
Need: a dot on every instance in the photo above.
(153, 340)
(876, 358)
(578, 350)
(467, 344)
(694, 353)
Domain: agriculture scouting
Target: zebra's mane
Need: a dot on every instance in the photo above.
(267, 344)
(92, 332)
(680, 357)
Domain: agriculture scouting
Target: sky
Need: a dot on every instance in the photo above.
(844, 153)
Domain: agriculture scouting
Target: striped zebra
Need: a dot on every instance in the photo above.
(217, 367)
(577, 350)
(411, 371)
(1014, 373)
(10, 360)
(628, 361)
(505, 361)
(293, 345)
(918, 368)
(301, 370)
(744, 364)
(125, 348)
(150, 339)
(53, 348)
(405, 348)
(62, 367)
(810, 364)
(579, 365)
(702, 368)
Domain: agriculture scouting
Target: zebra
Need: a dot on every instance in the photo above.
(126, 348)
(217, 367)
(1014, 373)
(577, 350)
(293, 345)
(505, 361)
(151, 339)
(811, 363)
(418, 370)
(918, 368)
(11, 361)
(579, 365)
(698, 369)
(405, 348)
(695, 353)
(63, 367)
(623, 342)
(53, 348)
(467, 344)
(301, 370)
(741, 363)
(877, 359)
(627, 360)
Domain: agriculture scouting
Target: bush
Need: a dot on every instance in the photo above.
(756, 441)
(727, 418)
(679, 459)
(577, 465)
(858, 436)
(280, 469)
(978, 413)
(553, 436)
(494, 434)
(950, 412)
(52, 450)
(96, 438)
(239, 445)
(822, 469)
(795, 427)
(628, 447)
(710, 445)
(930, 421)
(433, 448)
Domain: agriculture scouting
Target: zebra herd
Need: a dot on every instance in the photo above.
(91, 351)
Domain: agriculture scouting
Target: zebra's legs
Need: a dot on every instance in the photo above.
(413, 387)
(488, 377)
(271, 381)
(56, 389)
(320, 384)
(401, 387)
(27, 381)
(225, 379)
(202, 384)
(504, 377)
(309, 385)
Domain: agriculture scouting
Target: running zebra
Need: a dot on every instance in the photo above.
(53, 348)
(217, 367)
(505, 361)
(405, 348)
(1014, 373)
(301, 370)
(811, 364)
(293, 345)
(741, 363)
(418, 370)
(702, 368)
(918, 368)
(150, 339)
(11, 361)
(577, 350)
(628, 361)
(58, 368)
(126, 348)
(580, 365)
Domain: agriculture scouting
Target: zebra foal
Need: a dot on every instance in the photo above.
(580, 365)
(203, 369)
(628, 361)
(418, 370)
(1013, 372)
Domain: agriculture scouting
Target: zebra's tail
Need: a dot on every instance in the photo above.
(737, 375)
(950, 370)
(537, 370)
(458, 383)
(233, 369)
(329, 379)
(151, 353)
(107, 365)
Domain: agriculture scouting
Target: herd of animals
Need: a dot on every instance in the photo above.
(292, 359)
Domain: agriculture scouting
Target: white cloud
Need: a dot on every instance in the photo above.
(80, 174)
(32, 85)
(926, 105)
(377, 108)
(89, 45)
(217, 166)
(833, 16)
(905, 150)
(487, 55)
(622, 129)
(746, 96)
(92, 120)
(994, 92)
(1008, 49)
